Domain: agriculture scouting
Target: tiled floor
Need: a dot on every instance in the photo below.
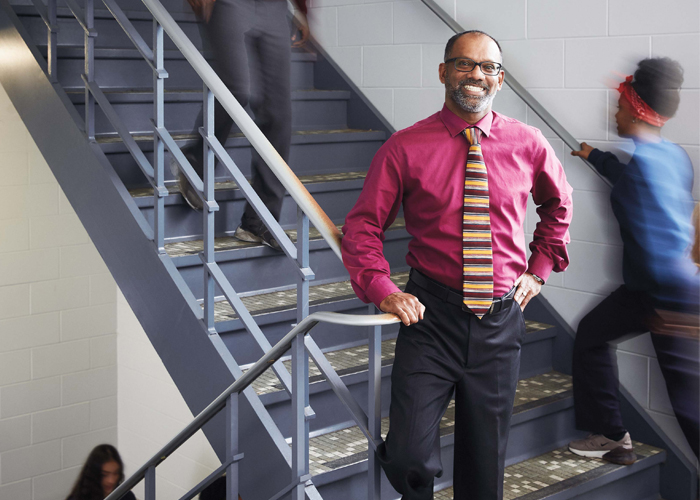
(541, 476)
(347, 446)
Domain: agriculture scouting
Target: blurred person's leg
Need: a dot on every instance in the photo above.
(271, 103)
(226, 36)
(595, 377)
(678, 359)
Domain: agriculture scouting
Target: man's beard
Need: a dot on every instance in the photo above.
(470, 103)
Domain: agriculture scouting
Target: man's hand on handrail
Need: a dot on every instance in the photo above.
(302, 35)
(406, 306)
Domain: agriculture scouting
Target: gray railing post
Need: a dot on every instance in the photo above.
(52, 40)
(374, 407)
(158, 145)
(207, 212)
(150, 486)
(89, 33)
(300, 400)
(303, 262)
(232, 447)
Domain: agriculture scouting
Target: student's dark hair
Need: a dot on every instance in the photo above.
(453, 40)
(658, 81)
(88, 486)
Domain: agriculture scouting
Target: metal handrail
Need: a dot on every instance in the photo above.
(521, 92)
(246, 380)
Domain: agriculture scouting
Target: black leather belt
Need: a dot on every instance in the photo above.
(447, 294)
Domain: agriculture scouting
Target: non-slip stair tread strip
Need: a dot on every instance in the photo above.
(230, 185)
(348, 446)
(355, 359)
(143, 137)
(223, 243)
(287, 299)
(553, 472)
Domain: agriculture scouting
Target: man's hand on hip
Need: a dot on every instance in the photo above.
(527, 288)
(406, 306)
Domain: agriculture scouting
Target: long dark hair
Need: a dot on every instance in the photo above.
(88, 486)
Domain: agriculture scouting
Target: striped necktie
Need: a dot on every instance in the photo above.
(477, 275)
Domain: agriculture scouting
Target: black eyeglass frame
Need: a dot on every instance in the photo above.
(455, 59)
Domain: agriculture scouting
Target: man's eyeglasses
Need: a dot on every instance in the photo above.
(466, 65)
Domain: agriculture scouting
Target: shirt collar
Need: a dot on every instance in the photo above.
(455, 125)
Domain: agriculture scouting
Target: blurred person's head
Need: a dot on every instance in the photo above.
(102, 472)
(472, 74)
(649, 98)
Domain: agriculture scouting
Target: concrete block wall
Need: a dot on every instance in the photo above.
(152, 411)
(566, 52)
(58, 324)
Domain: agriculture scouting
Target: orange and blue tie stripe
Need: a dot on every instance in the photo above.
(477, 255)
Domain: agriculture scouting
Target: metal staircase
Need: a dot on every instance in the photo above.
(178, 268)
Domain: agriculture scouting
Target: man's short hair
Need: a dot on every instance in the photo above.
(453, 40)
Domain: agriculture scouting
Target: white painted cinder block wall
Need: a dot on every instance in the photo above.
(563, 51)
(76, 368)
(58, 363)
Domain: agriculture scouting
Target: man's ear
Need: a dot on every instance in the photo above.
(501, 79)
(442, 72)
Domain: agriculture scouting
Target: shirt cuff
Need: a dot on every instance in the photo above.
(539, 265)
(380, 288)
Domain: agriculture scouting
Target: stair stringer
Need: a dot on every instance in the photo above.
(200, 365)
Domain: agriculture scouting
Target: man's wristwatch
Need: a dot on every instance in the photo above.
(538, 279)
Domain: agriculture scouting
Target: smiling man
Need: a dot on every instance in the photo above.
(463, 176)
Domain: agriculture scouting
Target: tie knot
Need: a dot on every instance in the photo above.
(473, 135)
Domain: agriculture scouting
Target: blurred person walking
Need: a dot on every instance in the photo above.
(102, 473)
(250, 40)
(652, 201)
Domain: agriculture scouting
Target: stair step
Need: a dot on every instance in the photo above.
(112, 143)
(354, 360)
(230, 185)
(226, 243)
(77, 96)
(348, 446)
(266, 303)
(560, 470)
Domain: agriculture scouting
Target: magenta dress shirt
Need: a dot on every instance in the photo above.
(423, 168)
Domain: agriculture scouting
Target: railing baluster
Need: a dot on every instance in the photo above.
(89, 68)
(52, 40)
(208, 215)
(232, 447)
(158, 146)
(303, 262)
(150, 486)
(300, 400)
(374, 407)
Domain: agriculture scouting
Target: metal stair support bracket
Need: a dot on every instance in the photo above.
(521, 92)
(244, 381)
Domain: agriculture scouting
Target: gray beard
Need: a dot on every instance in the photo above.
(470, 104)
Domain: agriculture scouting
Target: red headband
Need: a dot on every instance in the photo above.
(640, 109)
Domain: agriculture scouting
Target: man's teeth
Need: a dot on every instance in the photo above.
(473, 88)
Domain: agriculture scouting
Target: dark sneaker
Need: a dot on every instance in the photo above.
(260, 236)
(189, 193)
(598, 446)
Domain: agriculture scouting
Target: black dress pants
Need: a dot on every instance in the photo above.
(452, 351)
(251, 42)
(622, 314)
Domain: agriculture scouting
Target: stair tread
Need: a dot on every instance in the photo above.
(224, 243)
(265, 303)
(173, 188)
(139, 95)
(349, 446)
(113, 138)
(558, 470)
(354, 360)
